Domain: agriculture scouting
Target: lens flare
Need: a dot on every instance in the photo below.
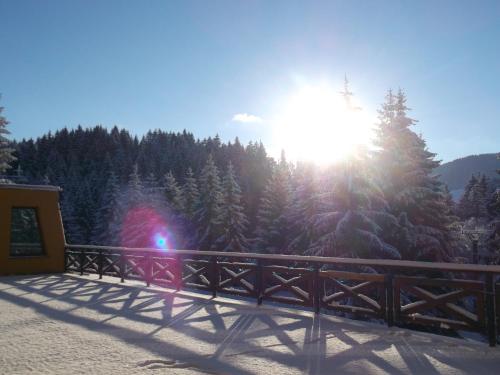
(161, 241)
(145, 227)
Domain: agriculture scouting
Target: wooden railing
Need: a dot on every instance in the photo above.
(445, 296)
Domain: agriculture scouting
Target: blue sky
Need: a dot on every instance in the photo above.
(196, 64)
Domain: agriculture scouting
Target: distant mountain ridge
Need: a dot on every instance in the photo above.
(457, 173)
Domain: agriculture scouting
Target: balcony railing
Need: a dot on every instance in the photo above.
(444, 296)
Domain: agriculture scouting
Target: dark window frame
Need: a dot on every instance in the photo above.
(40, 234)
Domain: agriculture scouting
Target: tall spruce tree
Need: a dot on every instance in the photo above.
(304, 207)
(133, 230)
(135, 187)
(465, 207)
(6, 151)
(355, 215)
(480, 197)
(191, 194)
(271, 233)
(407, 180)
(151, 183)
(69, 209)
(107, 223)
(173, 193)
(233, 218)
(208, 214)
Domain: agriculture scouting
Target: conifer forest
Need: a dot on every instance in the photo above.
(386, 202)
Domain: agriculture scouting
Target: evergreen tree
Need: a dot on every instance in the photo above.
(69, 210)
(135, 188)
(151, 183)
(305, 206)
(407, 180)
(173, 193)
(465, 207)
(134, 225)
(449, 203)
(153, 193)
(355, 218)
(480, 197)
(494, 204)
(6, 151)
(208, 214)
(191, 194)
(474, 201)
(271, 234)
(107, 223)
(233, 218)
(20, 178)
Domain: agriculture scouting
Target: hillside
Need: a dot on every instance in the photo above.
(457, 172)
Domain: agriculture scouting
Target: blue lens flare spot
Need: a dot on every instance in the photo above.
(161, 241)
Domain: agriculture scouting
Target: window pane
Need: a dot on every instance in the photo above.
(25, 239)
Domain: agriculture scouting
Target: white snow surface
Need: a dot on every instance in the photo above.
(68, 324)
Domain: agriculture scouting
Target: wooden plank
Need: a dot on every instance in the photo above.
(396, 264)
(352, 276)
(436, 322)
(418, 280)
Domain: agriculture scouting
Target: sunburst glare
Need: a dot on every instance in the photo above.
(318, 123)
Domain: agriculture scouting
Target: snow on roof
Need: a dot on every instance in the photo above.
(30, 187)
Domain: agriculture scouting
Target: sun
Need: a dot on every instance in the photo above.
(317, 123)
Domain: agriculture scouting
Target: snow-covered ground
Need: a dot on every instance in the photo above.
(69, 324)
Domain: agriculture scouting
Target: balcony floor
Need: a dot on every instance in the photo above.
(68, 324)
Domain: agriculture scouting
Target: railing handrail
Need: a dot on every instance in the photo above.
(399, 264)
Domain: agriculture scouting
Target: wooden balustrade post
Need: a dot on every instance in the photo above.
(389, 290)
(259, 281)
(148, 269)
(178, 272)
(82, 261)
(66, 259)
(490, 310)
(100, 263)
(316, 293)
(215, 276)
(475, 255)
(122, 266)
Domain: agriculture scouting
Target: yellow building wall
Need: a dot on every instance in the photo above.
(45, 199)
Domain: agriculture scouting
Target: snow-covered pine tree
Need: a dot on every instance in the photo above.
(233, 218)
(305, 205)
(173, 193)
(69, 210)
(107, 223)
(479, 197)
(151, 183)
(271, 233)
(20, 177)
(133, 230)
(356, 218)
(450, 203)
(85, 208)
(407, 180)
(135, 188)
(465, 208)
(208, 214)
(153, 193)
(191, 194)
(6, 151)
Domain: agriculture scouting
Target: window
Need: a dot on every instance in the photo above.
(25, 238)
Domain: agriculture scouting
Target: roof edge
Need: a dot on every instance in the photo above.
(30, 187)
